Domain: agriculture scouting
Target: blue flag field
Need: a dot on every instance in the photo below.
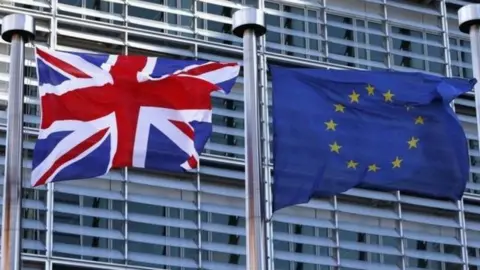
(339, 129)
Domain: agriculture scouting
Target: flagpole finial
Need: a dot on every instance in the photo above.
(18, 24)
(248, 18)
(468, 16)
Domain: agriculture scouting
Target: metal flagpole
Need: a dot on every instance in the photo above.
(16, 29)
(469, 22)
(249, 24)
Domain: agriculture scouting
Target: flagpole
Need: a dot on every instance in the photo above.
(17, 29)
(469, 23)
(249, 24)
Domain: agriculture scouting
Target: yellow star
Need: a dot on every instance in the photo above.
(339, 107)
(419, 120)
(373, 168)
(412, 143)
(354, 97)
(388, 96)
(330, 125)
(370, 90)
(352, 164)
(335, 147)
(397, 162)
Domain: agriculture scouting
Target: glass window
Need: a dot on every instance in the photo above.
(97, 40)
(34, 218)
(215, 28)
(94, 223)
(431, 240)
(223, 228)
(162, 222)
(461, 58)
(95, 10)
(411, 46)
(352, 44)
(294, 30)
(172, 16)
(371, 237)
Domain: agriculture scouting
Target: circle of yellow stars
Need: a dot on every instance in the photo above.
(388, 97)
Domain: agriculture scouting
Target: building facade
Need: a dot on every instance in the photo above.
(132, 219)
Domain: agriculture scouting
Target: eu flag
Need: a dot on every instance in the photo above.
(339, 129)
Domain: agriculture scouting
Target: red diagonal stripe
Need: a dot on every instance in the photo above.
(185, 128)
(64, 66)
(192, 161)
(208, 67)
(73, 153)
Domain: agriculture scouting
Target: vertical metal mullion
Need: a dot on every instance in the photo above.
(199, 218)
(317, 235)
(198, 179)
(325, 31)
(448, 62)
(181, 233)
(195, 45)
(209, 236)
(400, 230)
(195, 19)
(367, 41)
(463, 233)
(125, 15)
(80, 217)
(205, 22)
(425, 51)
(403, 263)
(387, 35)
(49, 222)
(53, 25)
(126, 176)
(84, 6)
(446, 40)
(291, 264)
(265, 137)
(126, 216)
(355, 40)
(51, 186)
(336, 231)
(110, 222)
(380, 243)
(168, 234)
(442, 251)
(46, 265)
(282, 35)
(111, 9)
(125, 41)
(267, 173)
(179, 17)
(307, 32)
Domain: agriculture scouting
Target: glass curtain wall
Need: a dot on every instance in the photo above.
(132, 219)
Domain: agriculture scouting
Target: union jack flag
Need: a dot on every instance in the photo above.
(101, 111)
